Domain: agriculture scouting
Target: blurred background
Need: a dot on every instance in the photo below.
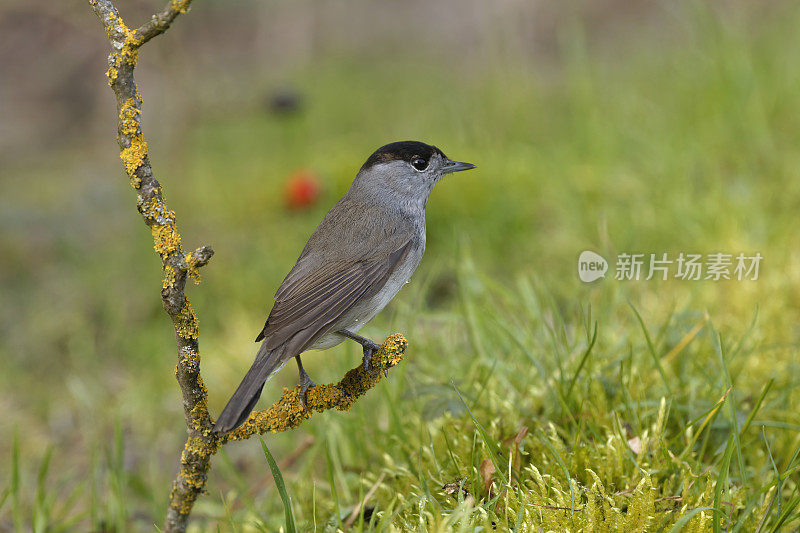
(611, 125)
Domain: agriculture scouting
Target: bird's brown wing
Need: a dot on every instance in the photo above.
(307, 307)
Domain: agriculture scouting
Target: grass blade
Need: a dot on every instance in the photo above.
(716, 341)
(722, 481)
(491, 445)
(281, 486)
(652, 350)
(41, 511)
(592, 339)
(790, 506)
(332, 482)
(756, 407)
(709, 416)
(14, 486)
(678, 526)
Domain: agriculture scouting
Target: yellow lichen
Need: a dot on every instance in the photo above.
(186, 507)
(199, 446)
(181, 6)
(130, 52)
(284, 414)
(191, 476)
(190, 360)
(129, 118)
(112, 74)
(191, 473)
(169, 277)
(191, 268)
(199, 415)
(128, 49)
(154, 209)
(182, 505)
(133, 156)
(166, 239)
(114, 23)
(186, 323)
(288, 412)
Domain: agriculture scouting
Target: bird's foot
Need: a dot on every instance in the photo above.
(370, 348)
(305, 384)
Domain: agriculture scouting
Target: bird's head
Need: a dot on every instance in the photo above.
(405, 171)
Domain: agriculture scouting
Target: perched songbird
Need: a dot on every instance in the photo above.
(358, 258)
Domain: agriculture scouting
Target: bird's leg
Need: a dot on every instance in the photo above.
(305, 382)
(369, 348)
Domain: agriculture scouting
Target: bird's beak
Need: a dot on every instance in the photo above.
(456, 166)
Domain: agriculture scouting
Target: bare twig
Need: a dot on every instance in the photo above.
(159, 23)
(179, 265)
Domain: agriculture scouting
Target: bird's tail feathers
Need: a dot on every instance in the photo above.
(244, 400)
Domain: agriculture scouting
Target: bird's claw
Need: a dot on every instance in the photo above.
(369, 351)
(305, 384)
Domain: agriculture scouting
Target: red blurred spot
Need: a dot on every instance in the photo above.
(302, 189)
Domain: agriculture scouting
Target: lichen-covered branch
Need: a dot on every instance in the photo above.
(159, 23)
(288, 413)
(285, 414)
(179, 265)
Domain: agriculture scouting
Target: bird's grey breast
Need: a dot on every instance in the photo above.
(414, 222)
(369, 306)
(401, 275)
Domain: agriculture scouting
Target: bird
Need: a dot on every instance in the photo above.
(362, 253)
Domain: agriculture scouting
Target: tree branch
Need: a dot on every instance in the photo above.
(285, 414)
(178, 266)
(159, 23)
(288, 413)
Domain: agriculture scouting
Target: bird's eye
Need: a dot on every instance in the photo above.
(419, 163)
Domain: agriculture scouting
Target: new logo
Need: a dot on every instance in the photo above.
(591, 266)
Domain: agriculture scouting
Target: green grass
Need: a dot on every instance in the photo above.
(669, 406)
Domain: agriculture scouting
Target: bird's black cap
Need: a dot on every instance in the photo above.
(401, 151)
